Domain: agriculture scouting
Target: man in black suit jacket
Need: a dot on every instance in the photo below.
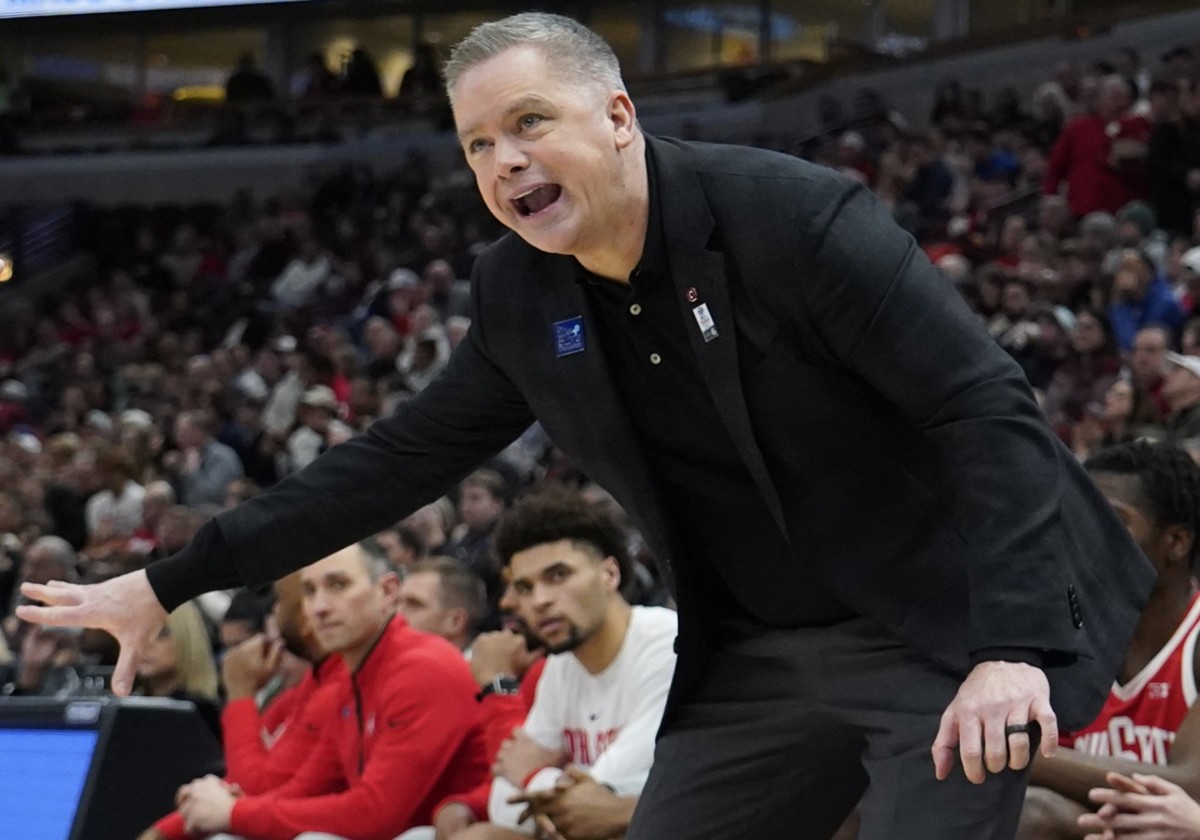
(876, 542)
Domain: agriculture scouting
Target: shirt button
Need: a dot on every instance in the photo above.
(655, 358)
(636, 309)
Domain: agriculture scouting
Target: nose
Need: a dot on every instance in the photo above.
(509, 157)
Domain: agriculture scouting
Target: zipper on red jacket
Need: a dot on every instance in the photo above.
(358, 715)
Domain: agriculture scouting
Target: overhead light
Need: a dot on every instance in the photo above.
(6, 268)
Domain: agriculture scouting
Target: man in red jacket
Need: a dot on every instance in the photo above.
(407, 734)
(263, 747)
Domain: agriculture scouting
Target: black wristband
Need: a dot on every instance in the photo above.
(503, 685)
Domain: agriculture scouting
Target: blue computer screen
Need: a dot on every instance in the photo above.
(42, 772)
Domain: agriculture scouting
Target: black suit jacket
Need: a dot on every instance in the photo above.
(898, 448)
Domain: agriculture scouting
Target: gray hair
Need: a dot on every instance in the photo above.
(374, 558)
(566, 43)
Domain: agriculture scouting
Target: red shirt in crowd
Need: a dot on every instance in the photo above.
(1081, 158)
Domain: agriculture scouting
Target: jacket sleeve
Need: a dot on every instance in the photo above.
(421, 726)
(896, 323)
(245, 752)
(467, 414)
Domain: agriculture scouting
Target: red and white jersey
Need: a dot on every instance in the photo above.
(1139, 720)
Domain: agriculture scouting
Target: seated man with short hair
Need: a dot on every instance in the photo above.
(407, 735)
(601, 696)
(1149, 724)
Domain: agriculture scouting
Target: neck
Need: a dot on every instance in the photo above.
(1159, 620)
(598, 652)
(355, 656)
(624, 237)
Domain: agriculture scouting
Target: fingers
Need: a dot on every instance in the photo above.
(943, 745)
(996, 745)
(1017, 744)
(1155, 784)
(1043, 713)
(970, 749)
(1119, 781)
(126, 669)
(274, 655)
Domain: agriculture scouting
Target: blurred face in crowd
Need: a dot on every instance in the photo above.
(1118, 401)
(160, 660)
(1088, 335)
(1131, 280)
(422, 606)
(1181, 387)
(562, 590)
(546, 150)
(1148, 355)
(1015, 300)
(478, 507)
(346, 609)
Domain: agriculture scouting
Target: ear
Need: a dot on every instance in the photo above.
(390, 583)
(1179, 541)
(611, 572)
(624, 118)
(457, 620)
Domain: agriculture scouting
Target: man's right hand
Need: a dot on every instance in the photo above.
(453, 818)
(249, 665)
(499, 654)
(124, 606)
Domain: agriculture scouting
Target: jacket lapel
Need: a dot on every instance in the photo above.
(595, 415)
(703, 293)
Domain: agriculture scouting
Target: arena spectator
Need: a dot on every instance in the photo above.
(178, 663)
(1141, 298)
(248, 83)
(202, 466)
(1090, 369)
(1100, 156)
(482, 497)
(1181, 390)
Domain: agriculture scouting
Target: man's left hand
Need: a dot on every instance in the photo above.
(993, 696)
(206, 806)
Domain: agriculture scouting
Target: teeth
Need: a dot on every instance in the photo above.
(530, 191)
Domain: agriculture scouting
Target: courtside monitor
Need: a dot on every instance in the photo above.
(96, 768)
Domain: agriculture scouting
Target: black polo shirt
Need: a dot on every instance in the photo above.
(717, 512)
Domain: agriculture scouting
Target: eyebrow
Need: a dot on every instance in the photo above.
(524, 103)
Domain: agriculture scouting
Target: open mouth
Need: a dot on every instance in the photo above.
(536, 200)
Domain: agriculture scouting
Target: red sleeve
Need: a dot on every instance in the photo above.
(171, 827)
(502, 714)
(245, 753)
(426, 718)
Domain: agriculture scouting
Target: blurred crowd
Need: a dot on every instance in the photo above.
(210, 351)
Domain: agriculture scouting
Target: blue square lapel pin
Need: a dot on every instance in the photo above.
(568, 337)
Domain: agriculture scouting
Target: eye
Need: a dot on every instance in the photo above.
(474, 147)
(558, 574)
(522, 588)
(530, 120)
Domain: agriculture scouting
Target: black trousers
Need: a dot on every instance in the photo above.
(792, 728)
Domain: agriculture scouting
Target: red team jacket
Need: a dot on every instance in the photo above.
(406, 734)
(262, 751)
(1139, 720)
